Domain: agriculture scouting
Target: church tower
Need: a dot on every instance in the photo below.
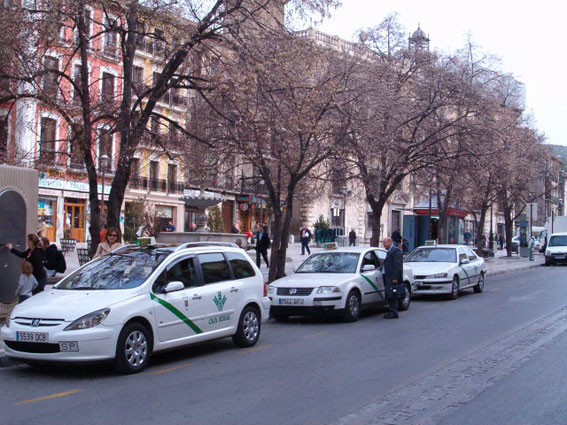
(418, 40)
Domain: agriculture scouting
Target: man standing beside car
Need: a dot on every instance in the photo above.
(393, 277)
(262, 244)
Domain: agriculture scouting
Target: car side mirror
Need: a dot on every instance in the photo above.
(464, 261)
(368, 268)
(173, 286)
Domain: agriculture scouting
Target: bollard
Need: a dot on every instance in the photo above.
(531, 251)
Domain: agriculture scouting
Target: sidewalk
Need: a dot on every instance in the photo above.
(500, 264)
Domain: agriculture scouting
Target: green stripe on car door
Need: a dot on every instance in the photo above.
(380, 294)
(177, 313)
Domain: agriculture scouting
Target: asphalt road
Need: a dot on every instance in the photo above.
(310, 371)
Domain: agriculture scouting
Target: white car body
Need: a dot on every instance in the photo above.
(437, 277)
(299, 293)
(556, 250)
(190, 313)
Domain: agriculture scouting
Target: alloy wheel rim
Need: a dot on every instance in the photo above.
(455, 287)
(407, 297)
(481, 282)
(136, 349)
(353, 304)
(251, 326)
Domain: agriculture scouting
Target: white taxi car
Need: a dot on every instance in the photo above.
(339, 282)
(446, 269)
(126, 305)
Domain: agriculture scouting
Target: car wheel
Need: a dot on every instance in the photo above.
(248, 331)
(352, 307)
(454, 288)
(479, 287)
(404, 304)
(278, 317)
(133, 349)
(548, 262)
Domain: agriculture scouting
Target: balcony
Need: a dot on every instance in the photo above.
(156, 185)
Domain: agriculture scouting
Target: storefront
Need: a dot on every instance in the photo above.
(47, 213)
(252, 211)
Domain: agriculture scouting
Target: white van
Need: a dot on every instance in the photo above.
(556, 250)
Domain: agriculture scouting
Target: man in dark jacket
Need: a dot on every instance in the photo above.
(262, 245)
(393, 277)
(305, 237)
(352, 238)
(53, 259)
(397, 237)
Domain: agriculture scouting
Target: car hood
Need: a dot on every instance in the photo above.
(69, 305)
(429, 268)
(309, 280)
(557, 249)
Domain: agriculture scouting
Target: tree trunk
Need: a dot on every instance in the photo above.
(480, 226)
(509, 227)
(279, 249)
(377, 208)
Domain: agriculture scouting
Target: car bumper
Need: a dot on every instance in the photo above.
(312, 304)
(433, 287)
(556, 258)
(265, 313)
(93, 345)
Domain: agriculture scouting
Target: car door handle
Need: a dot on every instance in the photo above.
(233, 289)
(197, 297)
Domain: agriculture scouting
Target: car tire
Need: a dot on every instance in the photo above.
(249, 326)
(548, 262)
(133, 348)
(479, 287)
(352, 307)
(454, 288)
(279, 317)
(404, 304)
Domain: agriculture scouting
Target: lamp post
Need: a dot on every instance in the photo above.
(103, 164)
(491, 237)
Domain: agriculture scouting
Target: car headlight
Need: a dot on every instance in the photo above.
(328, 290)
(438, 275)
(89, 320)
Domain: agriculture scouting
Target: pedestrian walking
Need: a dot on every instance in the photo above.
(27, 282)
(397, 237)
(467, 235)
(501, 240)
(352, 238)
(393, 277)
(53, 259)
(33, 255)
(112, 241)
(262, 245)
(305, 237)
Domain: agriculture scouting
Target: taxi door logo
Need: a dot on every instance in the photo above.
(219, 300)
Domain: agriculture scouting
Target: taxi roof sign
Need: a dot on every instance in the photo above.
(146, 241)
(432, 242)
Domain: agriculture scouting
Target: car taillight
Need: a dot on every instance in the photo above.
(265, 290)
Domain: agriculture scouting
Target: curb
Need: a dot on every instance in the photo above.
(515, 269)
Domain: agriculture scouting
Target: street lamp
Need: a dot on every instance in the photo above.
(103, 164)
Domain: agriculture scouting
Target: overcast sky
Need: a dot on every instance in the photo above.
(529, 37)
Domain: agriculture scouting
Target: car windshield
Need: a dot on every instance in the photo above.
(432, 255)
(557, 241)
(122, 270)
(330, 262)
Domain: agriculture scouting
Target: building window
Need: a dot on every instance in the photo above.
(159, 44)
(75, 154)
(109, 47)
(173, 133)
(47, 141)
(154, 127)
(154, 175)
(77, 81)
(3, 138)
(172, 178)
(105, 150)
(137, 80)
(51, 79)
(108, 87)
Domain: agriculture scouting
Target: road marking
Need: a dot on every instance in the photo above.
(317, 334)
(263, 347)
(48, 397)
(169, 369)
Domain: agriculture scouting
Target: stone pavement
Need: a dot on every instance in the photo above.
(497, 265)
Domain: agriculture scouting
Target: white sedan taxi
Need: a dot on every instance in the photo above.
(335, 282)
(126, 305)
(446, 269)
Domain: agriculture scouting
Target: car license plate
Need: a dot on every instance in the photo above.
(560, 257)
(69, 346)
(31, 336)
(291, 301)
(418, 282)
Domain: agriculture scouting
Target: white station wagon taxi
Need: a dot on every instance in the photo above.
(338, 282)
(446, 269)
(128, 304)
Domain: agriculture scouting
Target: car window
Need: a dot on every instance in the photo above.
(433, 255)
(370, 258)
(182, 271)
(381, 255)
(557, 241)
(330, 262)
(241, 267)
(472, 256)
(462, 255)
(214, 267)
